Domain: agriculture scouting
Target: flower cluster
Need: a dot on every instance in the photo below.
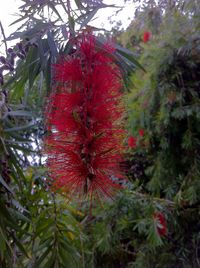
(146, 37)
(161, 224)
(19, 51)
(85, 141)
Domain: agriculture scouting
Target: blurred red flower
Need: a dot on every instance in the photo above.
(146, 36)
(83, 117)
(132, 142)
(141, 132)
(161, 223)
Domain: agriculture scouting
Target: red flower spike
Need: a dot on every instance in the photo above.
(141, 132)
(146, 37)
(132, 142)
(83, 117)
(161, 224)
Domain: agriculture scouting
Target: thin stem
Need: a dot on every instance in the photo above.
(83, 256)
(161, 200)
(68, 7)
(4, 37)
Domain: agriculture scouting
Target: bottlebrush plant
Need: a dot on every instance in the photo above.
(161, 224)
(83, 116)
(146, 37)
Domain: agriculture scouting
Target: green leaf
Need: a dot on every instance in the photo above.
(47, 75)
(71, 24)
(52, 44)
(43, 225)
(88, 17)
(55, 10)
(79, 5)
(46, 243)
(17, 205)
(25, 127)
(5, 185)
(20, 246)
(43, 256)
(19, 113)
(18, 216)
(130, 56)
(7, 217)
(20, 19)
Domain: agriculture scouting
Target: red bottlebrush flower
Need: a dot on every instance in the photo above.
(161, 224)
(146, 37)
(141, 132)
(83, 117)
(132, 142)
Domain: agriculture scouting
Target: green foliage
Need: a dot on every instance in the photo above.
(125, 230)
(164, 101)
(53, 237)
(169, 92)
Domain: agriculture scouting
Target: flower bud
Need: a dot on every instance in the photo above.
(19, 46)
(10, 50)
(3, 59)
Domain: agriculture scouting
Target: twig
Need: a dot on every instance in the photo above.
(4, 37)
(161, 200)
